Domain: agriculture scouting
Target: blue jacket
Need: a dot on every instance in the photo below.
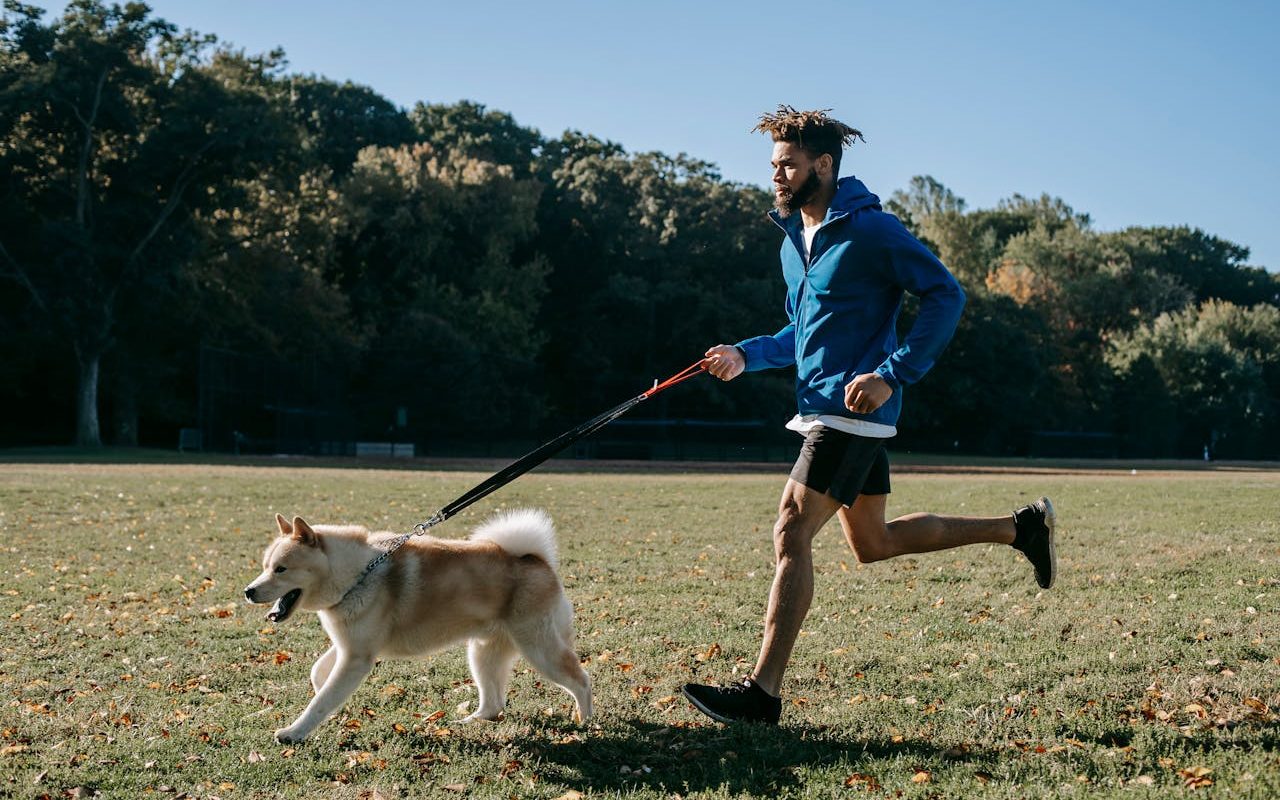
(844, 305)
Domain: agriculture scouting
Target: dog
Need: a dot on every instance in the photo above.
(498, 590)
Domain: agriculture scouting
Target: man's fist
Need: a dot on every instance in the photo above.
(725, 362)
(866, 392)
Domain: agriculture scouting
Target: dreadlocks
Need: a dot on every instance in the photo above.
(812, 130)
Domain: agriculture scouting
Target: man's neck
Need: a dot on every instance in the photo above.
(813, 213)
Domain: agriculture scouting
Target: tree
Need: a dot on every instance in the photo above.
(472, 130)
(338, 120)
(115, 133)
(673, 257)
(1219, 363)
(1209, 267)
(1087, 290)
(992, 386)
(427, 257)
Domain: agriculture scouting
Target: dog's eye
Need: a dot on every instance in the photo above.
(278, 570)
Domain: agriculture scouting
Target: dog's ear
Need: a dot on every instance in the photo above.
(302, 532)
(285, 528)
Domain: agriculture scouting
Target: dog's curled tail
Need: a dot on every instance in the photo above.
(522, 532)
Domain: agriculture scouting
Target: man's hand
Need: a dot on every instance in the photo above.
(725, 362)
(866, 392)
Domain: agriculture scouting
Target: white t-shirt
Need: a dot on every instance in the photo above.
(858, 427)
(808, 239)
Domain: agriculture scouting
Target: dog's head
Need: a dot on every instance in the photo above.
(291, 566)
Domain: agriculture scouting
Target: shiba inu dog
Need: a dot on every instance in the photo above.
(498, 590)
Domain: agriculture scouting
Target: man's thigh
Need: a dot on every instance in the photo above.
(864, 519)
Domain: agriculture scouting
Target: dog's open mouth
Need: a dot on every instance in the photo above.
(284, 606)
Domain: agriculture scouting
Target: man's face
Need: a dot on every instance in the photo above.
(795, 177)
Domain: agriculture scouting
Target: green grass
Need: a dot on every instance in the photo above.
(130, 665)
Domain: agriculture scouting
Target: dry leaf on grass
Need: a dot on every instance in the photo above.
(861, 781)
(1196, 777)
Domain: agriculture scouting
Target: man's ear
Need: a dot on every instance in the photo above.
(285, 528)
(302, 532)
(825, 164)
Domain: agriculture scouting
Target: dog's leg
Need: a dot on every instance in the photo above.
(321, 669)
(348, 671)
(549, 648)
(491, 661)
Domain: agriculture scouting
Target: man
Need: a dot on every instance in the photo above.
(846, 264)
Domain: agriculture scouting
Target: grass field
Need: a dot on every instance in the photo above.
(131, 667)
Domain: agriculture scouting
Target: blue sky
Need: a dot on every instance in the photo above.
(1137, 112)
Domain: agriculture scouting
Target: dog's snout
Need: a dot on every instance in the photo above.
(250, 594)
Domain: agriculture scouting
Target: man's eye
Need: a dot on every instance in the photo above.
(279, 570)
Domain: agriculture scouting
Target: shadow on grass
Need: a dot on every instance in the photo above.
(752, 759)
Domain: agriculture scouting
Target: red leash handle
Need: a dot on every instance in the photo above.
(683, 375)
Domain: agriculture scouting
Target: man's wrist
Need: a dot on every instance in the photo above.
(888, 378)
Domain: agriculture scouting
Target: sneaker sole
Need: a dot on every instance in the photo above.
(719, 717)
(1050, 522)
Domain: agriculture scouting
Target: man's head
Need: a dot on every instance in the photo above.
(806, 154)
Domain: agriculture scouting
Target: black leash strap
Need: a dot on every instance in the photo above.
(528, 461)
(522, 465)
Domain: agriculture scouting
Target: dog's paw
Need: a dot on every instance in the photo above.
(289, 736)
(476, 716)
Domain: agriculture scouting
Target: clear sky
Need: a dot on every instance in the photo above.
(1136, 112)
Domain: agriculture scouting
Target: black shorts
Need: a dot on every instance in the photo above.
(842, 465)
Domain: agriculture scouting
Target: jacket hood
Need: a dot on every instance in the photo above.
(852, 195)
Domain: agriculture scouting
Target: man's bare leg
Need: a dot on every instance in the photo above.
(801, 514)
(873, 539)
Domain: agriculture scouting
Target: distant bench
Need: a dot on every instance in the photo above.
(384, 450)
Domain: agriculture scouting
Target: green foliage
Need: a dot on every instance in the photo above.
(1099, 299)
(430, 261)
(1209, 267)
(470, 129)
(675, 258)
(339, 120)
(996, 337)
(1219, 365)
(126, 131)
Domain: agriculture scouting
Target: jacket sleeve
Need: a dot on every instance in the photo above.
(919, 272)
(767, 352)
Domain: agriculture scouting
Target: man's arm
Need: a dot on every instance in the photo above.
(919, 272)
(768, 352)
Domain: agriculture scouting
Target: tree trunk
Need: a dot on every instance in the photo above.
(88, 433)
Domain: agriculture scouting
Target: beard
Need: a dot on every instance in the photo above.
(788, 202)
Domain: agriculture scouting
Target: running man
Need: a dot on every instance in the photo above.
(846, 264)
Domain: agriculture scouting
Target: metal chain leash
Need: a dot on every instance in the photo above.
(418, 530)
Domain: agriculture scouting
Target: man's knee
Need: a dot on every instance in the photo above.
(791, 537)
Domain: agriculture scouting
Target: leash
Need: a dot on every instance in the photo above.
(525, 463)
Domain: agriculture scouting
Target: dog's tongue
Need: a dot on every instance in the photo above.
(278, 611)
(284, 606)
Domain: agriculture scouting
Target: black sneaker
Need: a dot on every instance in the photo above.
(739, 702)
(1034, 525)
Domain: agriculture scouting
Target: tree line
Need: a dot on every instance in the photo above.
(444, 268)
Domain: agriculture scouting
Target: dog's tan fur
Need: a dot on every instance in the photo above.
(499, 590)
